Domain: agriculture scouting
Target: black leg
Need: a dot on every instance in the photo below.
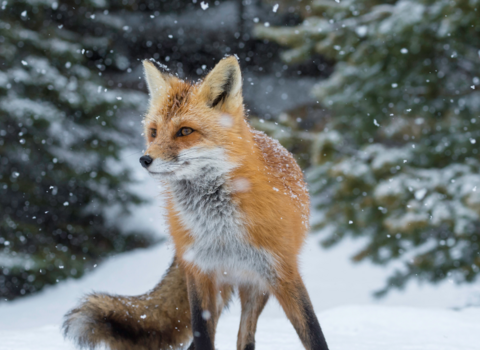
(203, 311)
(315, 334)
(294, 299)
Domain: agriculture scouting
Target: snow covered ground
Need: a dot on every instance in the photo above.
(422, 317)
(34, 322)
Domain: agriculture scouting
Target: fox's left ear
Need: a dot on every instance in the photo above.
(157, 85)
(223, 85)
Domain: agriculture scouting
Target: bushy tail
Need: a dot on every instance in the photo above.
(159, 319)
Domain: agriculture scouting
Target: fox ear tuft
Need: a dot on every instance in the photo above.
(223, 85)
(155, 81)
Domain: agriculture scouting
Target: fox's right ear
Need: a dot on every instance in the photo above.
(157, 85)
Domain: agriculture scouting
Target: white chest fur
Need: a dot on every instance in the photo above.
(217, 226)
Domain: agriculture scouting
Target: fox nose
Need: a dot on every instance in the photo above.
(146, 161)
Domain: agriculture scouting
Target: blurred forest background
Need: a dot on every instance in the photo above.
(378, 100)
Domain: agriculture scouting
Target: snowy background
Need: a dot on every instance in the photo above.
(377, 100)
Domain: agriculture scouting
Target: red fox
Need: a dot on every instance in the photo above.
(238, 212)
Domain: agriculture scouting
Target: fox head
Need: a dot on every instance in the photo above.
(193, 129)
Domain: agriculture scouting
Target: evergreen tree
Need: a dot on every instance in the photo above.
(60, 137)
(398, 160)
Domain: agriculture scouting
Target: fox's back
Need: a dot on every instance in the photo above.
(280, 164)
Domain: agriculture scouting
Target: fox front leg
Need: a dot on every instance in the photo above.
(202, 298)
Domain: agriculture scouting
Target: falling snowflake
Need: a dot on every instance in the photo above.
(420, 194)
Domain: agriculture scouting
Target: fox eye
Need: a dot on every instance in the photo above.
(153, 133)
(184, 131)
